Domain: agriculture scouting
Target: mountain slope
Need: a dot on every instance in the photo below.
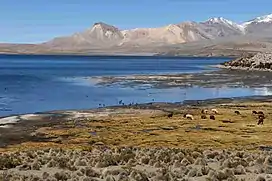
(99, 35)
(209, 38)
(259, 26)
(171, 34)
(220, 27)
(103, 35)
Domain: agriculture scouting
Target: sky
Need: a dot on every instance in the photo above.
(35, 21)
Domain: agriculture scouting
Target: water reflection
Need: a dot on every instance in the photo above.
(265, 91)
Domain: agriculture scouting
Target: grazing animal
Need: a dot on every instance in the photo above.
(203, 117)
(237, 112)
(254, 112)
(184, 115)
(212, 117)
(215, 111)
(189, 116)
(261, 121)
(261, 116)
(260, 112)
(204, 111)
(170, 115)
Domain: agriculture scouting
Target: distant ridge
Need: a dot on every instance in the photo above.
(215, 37)
(104, 35)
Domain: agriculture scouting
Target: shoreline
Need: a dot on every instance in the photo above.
(119, 55)
(241, 68)
(141, 142)
(199, 102)
(30, 123)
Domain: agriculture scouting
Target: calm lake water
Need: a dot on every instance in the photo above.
(42, 83)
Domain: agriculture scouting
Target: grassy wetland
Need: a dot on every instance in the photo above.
(141, 142)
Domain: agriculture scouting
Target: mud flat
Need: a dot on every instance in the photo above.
(252, 70)
(219, 78)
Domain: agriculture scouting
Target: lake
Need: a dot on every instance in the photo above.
(31, 83)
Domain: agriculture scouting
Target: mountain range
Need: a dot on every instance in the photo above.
(213, 34)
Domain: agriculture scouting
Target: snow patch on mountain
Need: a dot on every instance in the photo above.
(223, 21)
(261, 19)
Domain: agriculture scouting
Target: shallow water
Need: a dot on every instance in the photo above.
(42, 83)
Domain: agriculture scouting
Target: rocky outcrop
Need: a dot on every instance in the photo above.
(259, 61)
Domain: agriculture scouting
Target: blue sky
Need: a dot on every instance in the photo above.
(33, 21)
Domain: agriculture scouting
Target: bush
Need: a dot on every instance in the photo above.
(7, 162)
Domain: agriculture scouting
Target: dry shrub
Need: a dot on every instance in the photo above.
(8, 162)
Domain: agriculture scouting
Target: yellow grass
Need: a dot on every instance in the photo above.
(160, 131)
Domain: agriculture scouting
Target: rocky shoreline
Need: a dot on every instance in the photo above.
(259, 62)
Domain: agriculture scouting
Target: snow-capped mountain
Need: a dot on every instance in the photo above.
(261, 19)
(220, 27)
(223, 21)
(104, 35)
(259, 25)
